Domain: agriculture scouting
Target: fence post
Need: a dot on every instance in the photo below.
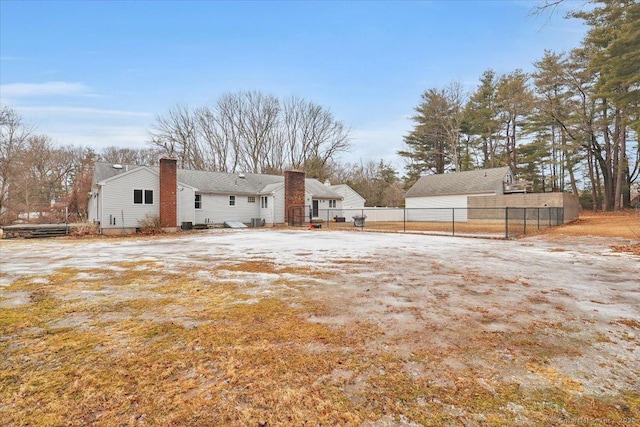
(506, 222)
(538, 218)
(525, 221)
(453, 221)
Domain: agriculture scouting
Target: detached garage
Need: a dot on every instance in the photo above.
(434, 196)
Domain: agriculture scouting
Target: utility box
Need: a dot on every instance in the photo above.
(256, 222)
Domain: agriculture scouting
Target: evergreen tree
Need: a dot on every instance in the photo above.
(433, 146)
(481, 117)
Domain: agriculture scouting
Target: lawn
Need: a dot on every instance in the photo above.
(308, 327)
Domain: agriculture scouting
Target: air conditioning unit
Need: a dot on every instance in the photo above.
(256, 222)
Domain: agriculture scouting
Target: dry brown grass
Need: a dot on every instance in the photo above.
(168, 349)
(131, 344)
(622, 225)
(625, 224)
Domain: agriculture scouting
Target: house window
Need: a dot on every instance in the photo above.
(232, 200)
(198, 201)
(148, 197)
(332, 203)
(251, 199)
(264, 202)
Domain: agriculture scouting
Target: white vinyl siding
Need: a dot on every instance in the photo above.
(351, 199)
(92, 214)
(329, 209)
(437, 208)
(216, 210)
(117, 199)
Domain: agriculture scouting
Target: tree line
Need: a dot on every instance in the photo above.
(574, 120)
(251, 132)
(242, 132)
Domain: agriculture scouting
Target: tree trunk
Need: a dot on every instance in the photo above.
(621, 160)
(606, 162)
(568, 162)
(592, 178)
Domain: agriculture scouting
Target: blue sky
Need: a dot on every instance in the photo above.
(97, 73)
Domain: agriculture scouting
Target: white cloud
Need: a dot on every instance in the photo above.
(99, 137)
(11, 58)
(84, 111)
(89, 126)
(17, 90)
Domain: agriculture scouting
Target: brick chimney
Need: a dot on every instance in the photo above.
(168, 192)
(294, 197)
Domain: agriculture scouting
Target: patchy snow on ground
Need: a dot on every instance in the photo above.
(575, 291)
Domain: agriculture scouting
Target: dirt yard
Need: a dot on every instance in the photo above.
(307, 327)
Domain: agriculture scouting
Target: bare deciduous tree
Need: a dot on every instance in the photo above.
(252, 132)
(131, 156)
(176, 135)
(310, 131)
(257, 129)
(14, 134)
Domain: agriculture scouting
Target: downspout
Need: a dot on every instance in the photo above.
(178, 207)
(101, 206)
(273, 208)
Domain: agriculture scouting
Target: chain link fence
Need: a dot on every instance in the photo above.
(480, 222)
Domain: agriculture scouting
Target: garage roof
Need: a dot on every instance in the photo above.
(481, 181)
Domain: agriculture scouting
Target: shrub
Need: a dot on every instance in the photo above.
(150, 225)
(85, 229)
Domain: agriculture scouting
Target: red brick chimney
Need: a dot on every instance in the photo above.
(294, 197)
(168, 192)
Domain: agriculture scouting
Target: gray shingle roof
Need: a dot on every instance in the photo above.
(468, 182)
(221, 182)
(226, 183)
(319, 190)
(102, 171)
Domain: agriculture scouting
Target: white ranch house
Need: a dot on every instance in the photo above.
(123, 195)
